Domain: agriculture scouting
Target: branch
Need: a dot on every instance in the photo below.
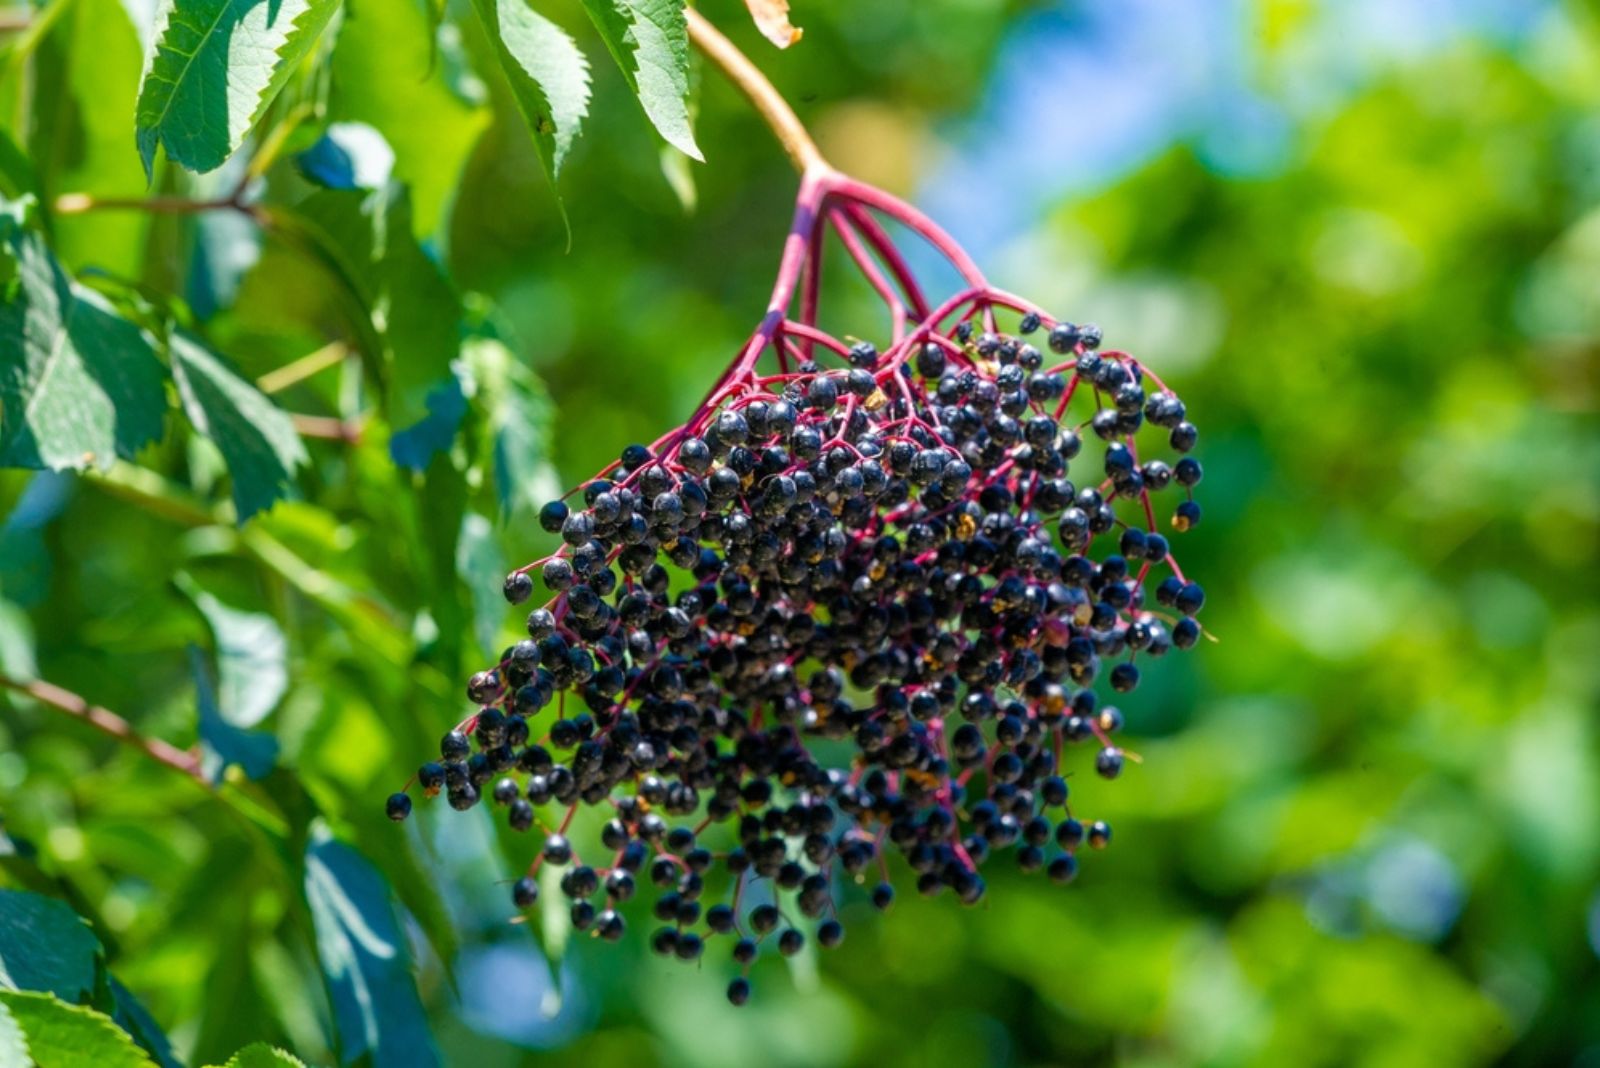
(108, 722)
(791, 133)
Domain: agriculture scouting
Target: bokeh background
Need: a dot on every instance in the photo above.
(1360, 237)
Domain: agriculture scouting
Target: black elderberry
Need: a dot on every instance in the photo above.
(557, 850)
(525, 893)
(909, 527)
(398, 806)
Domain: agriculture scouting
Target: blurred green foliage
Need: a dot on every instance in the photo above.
(1366, 828)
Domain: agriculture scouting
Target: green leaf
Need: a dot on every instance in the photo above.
(519, 411)
(366, 239)
(60, 1035)
(45, 946)
(548, 75)
(254, 435)
(13, 1043)
(221, 743)
(214, 67)
(261, 1055)
(482, 567)
(252, 657)
(364, 960)
(649, 39)
(79, 384)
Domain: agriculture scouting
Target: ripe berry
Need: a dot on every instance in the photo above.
(518, 587)
(739, 990)
(398, 807)
(557, 850)
(525, 892)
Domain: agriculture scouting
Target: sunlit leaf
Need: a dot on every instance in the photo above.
(60, 1035)
(649, 39)
(79, 384)
(549, 77)
(214, 67)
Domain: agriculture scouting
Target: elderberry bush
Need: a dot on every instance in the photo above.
(854, 616)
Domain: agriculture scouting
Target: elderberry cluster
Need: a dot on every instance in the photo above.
(844, 612)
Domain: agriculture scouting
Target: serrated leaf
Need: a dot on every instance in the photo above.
(79, 384)
(221, 743)
(213, 68)
(45, 946)
(548, 75)
(772, 19)
(367, 240)
(363, 956)
(254, 435)
(261, 1055)
(252, 657)
(649, 39)
(60, 1035)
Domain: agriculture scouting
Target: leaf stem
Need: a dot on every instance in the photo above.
(745, 75)
(108, 722)
(297, 371)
